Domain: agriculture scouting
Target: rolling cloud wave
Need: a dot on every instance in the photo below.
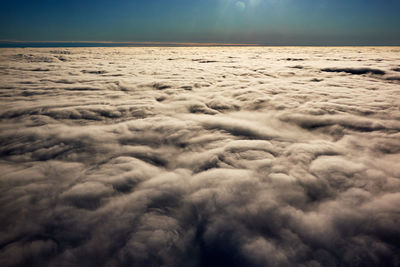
(199, 157)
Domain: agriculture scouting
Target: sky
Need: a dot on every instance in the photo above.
(266, 22)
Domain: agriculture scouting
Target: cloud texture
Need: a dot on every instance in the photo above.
(200, 157)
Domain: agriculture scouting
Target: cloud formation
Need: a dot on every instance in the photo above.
(199, 157)
(240, 5)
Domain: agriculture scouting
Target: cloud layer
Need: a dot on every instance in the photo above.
(200, 157)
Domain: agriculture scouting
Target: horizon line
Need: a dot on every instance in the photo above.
(131, 43)
(6, 42)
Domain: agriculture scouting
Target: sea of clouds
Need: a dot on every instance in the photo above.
(221, 156)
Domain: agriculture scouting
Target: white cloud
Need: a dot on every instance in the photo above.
(247, 156)
(240, 5)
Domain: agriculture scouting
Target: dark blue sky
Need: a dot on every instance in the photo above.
(290, 22)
